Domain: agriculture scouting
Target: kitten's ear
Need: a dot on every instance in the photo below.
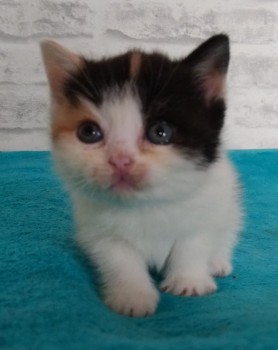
(59, 65)
(209, 64)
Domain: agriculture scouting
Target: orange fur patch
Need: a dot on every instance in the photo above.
(135, 63)
(59, 64)
(65, 118)
(159, 155)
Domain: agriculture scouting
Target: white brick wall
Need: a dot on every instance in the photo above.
(103, 27)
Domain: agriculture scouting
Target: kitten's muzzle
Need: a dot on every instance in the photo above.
(125, 177)
(122, 178)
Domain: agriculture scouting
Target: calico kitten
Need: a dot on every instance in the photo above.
(137, 140)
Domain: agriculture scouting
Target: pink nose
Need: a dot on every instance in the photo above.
(121, 162)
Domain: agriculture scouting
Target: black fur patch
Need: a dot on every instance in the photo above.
(98, 77)
(169, 90)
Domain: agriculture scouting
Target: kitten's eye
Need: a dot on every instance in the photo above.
(161, 133)
(89, 132)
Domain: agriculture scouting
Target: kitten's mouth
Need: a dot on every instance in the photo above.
(124, 184)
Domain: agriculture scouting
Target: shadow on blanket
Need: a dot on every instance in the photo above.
(48, 298)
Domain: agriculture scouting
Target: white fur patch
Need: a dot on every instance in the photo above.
(121, 120)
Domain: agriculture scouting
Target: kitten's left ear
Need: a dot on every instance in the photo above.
(209, 64)
(59, 65)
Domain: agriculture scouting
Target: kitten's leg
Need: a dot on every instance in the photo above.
(187, 271)
(220, 264)
(127, 287)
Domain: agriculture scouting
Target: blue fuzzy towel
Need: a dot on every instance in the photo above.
(48, 298)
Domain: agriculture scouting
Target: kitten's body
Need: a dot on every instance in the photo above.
(139, 203)
(154, 226)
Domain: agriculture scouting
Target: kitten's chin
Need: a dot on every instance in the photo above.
(123, 188)
(126, 185)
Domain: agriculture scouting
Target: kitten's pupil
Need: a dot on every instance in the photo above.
(89, 132)
(160, 133)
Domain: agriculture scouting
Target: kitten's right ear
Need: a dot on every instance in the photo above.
(209, 64)
(59, 65)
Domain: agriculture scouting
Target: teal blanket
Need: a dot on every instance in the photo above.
(48, 298)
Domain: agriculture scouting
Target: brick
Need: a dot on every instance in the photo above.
(62, 17)
(247, 25)
(244, 138)
(20, 63)
(27, 18)
(253, 108)
(254, 66)
(13, 18)
(23, 106)
(24, 139)
(152, 20)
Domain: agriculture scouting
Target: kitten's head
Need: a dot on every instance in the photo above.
(137, 123)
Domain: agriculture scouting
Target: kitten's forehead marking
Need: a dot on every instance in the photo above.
(135, 63)
(124, 120)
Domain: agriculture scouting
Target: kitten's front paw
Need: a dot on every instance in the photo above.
(188, 286)
(133, 301)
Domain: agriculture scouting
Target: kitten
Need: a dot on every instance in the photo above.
(137, 140)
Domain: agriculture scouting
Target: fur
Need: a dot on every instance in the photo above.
(173, 207)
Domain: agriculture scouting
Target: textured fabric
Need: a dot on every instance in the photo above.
(48, 298)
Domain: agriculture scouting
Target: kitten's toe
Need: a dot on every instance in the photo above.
(132, 302)
(220, 267)
(188, 286)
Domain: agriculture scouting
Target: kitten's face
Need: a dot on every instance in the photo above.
(125, 125)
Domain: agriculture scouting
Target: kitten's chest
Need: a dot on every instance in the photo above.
(153, 231)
